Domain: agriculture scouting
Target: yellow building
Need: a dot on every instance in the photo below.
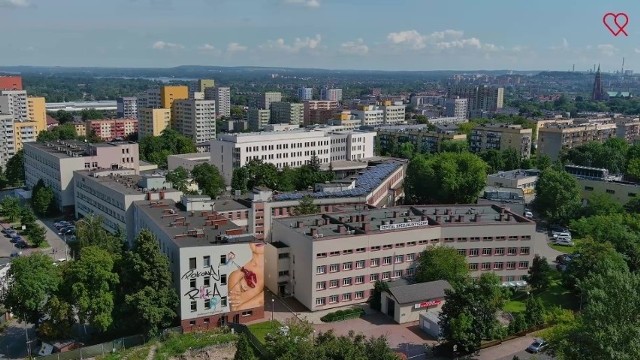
(27, 131)
(151, 122)
(170, 93)
(24, 131)
(81, 128)
(37, 112)
(205, 83)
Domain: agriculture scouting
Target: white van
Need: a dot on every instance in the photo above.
(557, 235)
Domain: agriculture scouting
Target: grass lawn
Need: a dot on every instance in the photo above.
(563, 249)
(261, 330)
(177, 344)
(555, 295)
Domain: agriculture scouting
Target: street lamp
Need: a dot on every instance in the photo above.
(273, 307)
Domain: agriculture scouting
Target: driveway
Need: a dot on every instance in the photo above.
(13, 340)
(541, 247)
(508, 349)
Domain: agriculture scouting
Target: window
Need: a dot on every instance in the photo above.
(192, 283)
(474, 252)
(373, 277)
(223, 259)
(320, 301)
(473, 266)
(333, 299)
(397, 273)
(410, 257)
(511, 265)
(387, 247)
(375, 248)
(248, 313)
(524, 251)
(359, 279)
(400, 245)
(487, 238)
(321, 255)
(283, 256)
(333, 283)
(321, 269)
(523, 265)
(501, 238)
(192, 323)
(321, 285)
(334, 253)
(223, 301)
(207, 304)
(462, 239)
(374, 262)
(346, 297)
(386, 260)
(223, 279)
(386, 275)
(280, 273)
(347, 252)
(207, 281)
(360, 264)
(192, 263)
(498, 251)
(411, 243)
(486, 251)
(512, 251)
(422, 242)
(475, 238)
(486, 266)
(346, 281)
(498, 266)
(334, 268)
(399, 259)
(194, 306)
(449, 239)
(359, 250)
(206, 261)
(347, 266)
(359, 295)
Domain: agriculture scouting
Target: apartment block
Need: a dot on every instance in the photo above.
(171, 93)
(305, 93)
(150, 99)
(222, 96)
(481, 98)
(80, 127)
(458, 108)
(258, 118)
(319, 111)
(195, 119)
(111, 129)
(203, 84)
(393, 112)
(127, 107)
(554, 137)
(55, 162)
(7, 138)
(288, 148)
(10, 82)
(522, 179)
(502, 137)
(331, 94)
(110, 194)
(152, 122)
(14, 102)
(37, 112)
(287, 113)
(208, 257)
(24, 132)
(265, 101)
(369, 115)
(628, 129)
(337, 257)
(419, 135)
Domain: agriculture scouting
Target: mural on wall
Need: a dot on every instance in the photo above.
(236, 283)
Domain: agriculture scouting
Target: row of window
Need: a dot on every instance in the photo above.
(358, 295)
(208, 304)
(509, 265)
(361, 264)
(609, 191)
(361, 279)
(511, 251)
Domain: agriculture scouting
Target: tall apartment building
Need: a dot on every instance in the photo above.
(152, 122)
(127, 107)
(628, 129)
(150, 99)
(331, 94)
(258, 118)
(208, 257)
(481, 98)
(423, 140)
(332, 260)
(171, 93)
(287, 113)
(319, 111)
(222, 96)
(195, 119)
(288, 148)
(14, 102)
(10, 82)
(393, 112)
(553, 138)
(369, 115)
(203, 84)
(458, 108)
(265, 101)
(305, 94)
(37, 112)
(111, 129)
(7, 138)
(110, 194)
(502, 137)
(55, 162)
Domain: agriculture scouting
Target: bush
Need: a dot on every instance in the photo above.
(343, 315)
(178, 344)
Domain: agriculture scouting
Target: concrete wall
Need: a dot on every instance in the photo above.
(620, 192)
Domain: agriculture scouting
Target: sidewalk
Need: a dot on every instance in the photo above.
(506, 349)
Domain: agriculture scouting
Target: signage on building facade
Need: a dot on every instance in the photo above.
(404, 225)
(426, 304)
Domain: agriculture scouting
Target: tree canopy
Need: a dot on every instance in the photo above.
(208, 179)
(155, 149)
(257, 173)
(557, 195)
(60, 132)
(442, 263)
(42, 199)
(15, 169)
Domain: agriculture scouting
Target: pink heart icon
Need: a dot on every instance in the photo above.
(620, 21)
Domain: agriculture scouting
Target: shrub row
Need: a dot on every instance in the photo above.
(343, 315)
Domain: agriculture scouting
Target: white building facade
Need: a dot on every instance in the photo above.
(196, 119)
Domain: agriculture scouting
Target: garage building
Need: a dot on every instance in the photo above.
(405, 303)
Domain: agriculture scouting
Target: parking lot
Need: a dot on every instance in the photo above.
(57, 247)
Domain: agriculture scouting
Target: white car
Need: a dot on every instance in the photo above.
(559, 235)
(564, 242)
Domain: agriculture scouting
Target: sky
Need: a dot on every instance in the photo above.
(328, 34)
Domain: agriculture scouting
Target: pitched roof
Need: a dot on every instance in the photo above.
(409, 294)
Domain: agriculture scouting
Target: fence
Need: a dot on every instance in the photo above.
(243, 329)
(98, 349)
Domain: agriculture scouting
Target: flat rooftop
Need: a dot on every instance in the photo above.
(516, 174)
(72, 148)
(191, 229)
(118, 180)
(404, 218)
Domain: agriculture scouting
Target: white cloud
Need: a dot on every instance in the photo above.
(439, 40)
(206, 47)
(234, 47)
(163, 45)
(14, 3)
(357, 47)
(307, 3)
(298, 44)
(607, 49)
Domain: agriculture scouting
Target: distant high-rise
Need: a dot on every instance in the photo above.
(203, 84)
(10, 82)
(305, 93)
(268, 98)
(195, 119)
(331, 94)
(598, 93)
(223, 101)
(458, 108)
(127, 108)
(481, 98)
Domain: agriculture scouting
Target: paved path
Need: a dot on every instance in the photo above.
(541, 247)
(508, 349)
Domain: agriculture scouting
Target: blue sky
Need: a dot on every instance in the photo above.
(332, 34)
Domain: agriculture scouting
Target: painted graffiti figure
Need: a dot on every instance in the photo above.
(246, 284)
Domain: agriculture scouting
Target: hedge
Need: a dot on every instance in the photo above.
(343, 315)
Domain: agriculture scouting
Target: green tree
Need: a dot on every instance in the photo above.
(15, 169)
(379, 287)
(600, 203)
(146, 283)
(89, 284)
(11, 208)
(208, 179)
(407, 150)
(595, 258)
(633, 168)
(441, 263)
(539, 277)
(494, 159)
(445, 178)
(90, 232)
(518, 323)
(27, 217)
(178, 178)
(534, 311)
(33, 281)
(244, 350)
(295, 343)
(42, 198)
(543, 162)
(240, 179)
(557, 195)
(454, 146)
(306, 206)
(511, 159)
(59, 320)
(37, 234)
(156, 148)
(633, 206)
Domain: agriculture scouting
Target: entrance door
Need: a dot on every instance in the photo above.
(281, 290)
(236, 318)
(222, 321)
(391, 307)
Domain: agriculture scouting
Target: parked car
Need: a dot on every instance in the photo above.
(15, 239)
(16, 254)
(21, 245)
(557, 229)
(563, 234)
(528, 214)
(564, 242)
(563, 259)
(65, 229)
(537, 346)
(61, 224)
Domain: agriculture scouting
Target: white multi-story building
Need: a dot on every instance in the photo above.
(393, 113)
(287, 113)
(331, 94)
(223, 101)
(305, 93)
(150, 99)
(288, 148)
(333, 260)
(110, 193)
(195, 119)
(269, 97)
(258, 118)
(14, 102)
(55, 162)
(7, 138)
(369, 115)
(127, 107)
(458, 108)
